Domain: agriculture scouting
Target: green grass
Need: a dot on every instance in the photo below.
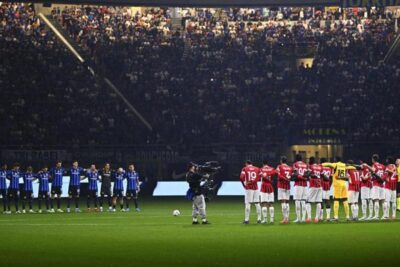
(155, 238)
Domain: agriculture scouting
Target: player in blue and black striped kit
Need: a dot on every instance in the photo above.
(44, 189)
(75, 174)
(118, 191)
(57, 174)
(29, 177)
(3, 188)
(132, 190)
(93, 176)
(13, 188)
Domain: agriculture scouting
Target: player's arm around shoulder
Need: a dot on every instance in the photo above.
(329, 164)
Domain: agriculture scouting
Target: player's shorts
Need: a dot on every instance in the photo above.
(283, 194)
(56, 190)
(131, 193)
(43, 194)
(314, 195)
(340, 192)
(252, 196)
(365, 193)
(74, 190)
(353, 196)
(326, 194)
(92, 193)
(13, 193)
(267, 197)
(390, 195)
(118, 193)
(378, 193)
(300, 192)
(3, 193)
(105, 192)
(28, 194)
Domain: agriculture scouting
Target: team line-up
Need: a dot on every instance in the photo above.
(374, 184)
(54, 176)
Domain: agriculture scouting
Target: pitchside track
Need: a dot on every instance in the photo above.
(154, 237)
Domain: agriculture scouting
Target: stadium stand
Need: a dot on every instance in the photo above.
(219, 79)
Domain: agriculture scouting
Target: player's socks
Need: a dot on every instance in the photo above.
(385, 210)
(352, 210)
(364, 207)
(371, 208)
(76, 203)
(16, 204)
(283, 210)
(376, 209)
(303, 210)
(258, 210)
(136, 202)
(346, 208)
(356, 210)
(298, 210)
(328, 213)
(4, 203)
(336, 209)
(127, 204)
(264, 211)
(271, 214)
(308, 210)
(394, 208)
(318, 211)
(247, 212)
(398, 201)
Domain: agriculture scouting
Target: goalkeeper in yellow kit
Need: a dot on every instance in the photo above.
(339, 178)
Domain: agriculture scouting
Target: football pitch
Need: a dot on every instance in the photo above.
(154, 237)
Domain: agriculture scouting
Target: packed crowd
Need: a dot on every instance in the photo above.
(48, 98)
(221, 78)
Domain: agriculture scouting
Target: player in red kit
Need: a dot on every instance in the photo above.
(391, 177)
(366, 186)
(377, 192)
(284, 173)
(249, 178)
(354, 190)
(300, 188)
(315, 190)
(267, 192)
(326, 191)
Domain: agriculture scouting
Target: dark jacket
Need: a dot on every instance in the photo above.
(194, 180)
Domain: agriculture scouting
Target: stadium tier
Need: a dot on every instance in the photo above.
(221, 77)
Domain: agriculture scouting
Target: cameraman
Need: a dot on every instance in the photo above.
(195, 193)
